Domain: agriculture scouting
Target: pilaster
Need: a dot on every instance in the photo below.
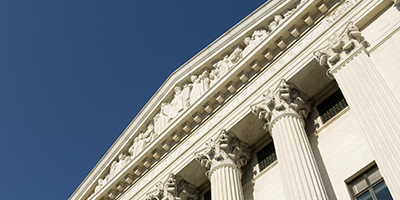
(283, 114)
(223, 159)
(375, 107)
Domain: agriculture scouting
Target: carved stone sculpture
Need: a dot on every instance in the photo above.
(140, 143)
(283, 100)
(174, 107)
(340, 45)
(205, 81)
(275, 23)
(214, 76)
(226, 149)
(223, 160)
(196, 89)
(174, 188)
(283, 114)
(259, 35)
(235, 56)
(186, 95)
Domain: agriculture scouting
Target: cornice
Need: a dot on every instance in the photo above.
(248, 66)
(252, 20)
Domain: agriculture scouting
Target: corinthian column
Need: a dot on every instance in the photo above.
(282, 113)
(174, 188)
(223, 159)
(375, 107)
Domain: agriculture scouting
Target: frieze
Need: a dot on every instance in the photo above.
(181, 100)
(188, 93)
(340, 10)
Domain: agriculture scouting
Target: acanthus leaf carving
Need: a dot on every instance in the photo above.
(285, 99)
(174, 188)
(340, 46)
(186, 95)
(227, 149)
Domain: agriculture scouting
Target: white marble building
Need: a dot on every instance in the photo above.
(299, 100)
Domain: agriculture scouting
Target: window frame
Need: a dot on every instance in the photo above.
(259, 161)
(370, 186)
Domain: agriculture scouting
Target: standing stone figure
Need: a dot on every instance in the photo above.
(140, 143)
(186, 95)
(196, 89)
(175, 106)
(213, 77)
(236, 55)
(113, 169)
(205, 81)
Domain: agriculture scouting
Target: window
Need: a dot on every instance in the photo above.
(266, 156)
(331, 106)
(369, 186)
(207, 195)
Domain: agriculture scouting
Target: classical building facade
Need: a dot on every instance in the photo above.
(299, 100)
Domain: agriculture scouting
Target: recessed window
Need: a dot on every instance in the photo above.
(370, 186)
(331, 106)
(266, 156)
(207, 195)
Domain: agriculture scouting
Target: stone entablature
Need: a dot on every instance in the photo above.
(171, 136)
(186, 95)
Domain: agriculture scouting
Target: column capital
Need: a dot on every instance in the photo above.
(341, 46)
(284, 101)
(226, 150)
(173, 188)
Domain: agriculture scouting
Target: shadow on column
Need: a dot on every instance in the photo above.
(322, 169)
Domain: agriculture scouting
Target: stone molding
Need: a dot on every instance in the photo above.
(340, 48)
(137, 162)
(174, 188)
(227, 150)
(187, 94)
(284, 101)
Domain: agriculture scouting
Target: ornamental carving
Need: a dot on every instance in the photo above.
(340, 46)
(341, 10)
(227, 149)
(285, 99)
(174, 188)
(186, 94)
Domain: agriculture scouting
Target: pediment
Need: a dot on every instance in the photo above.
(198, 88)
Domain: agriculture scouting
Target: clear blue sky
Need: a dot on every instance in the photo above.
(74, 73)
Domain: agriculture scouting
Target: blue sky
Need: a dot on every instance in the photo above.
(73, 74)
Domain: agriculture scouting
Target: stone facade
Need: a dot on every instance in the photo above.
(202, 134)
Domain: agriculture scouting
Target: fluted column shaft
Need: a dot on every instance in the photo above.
(300, 175)
(372, 102)
(283, 112)
(223, 160)
(225, 183)
(376, 110)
